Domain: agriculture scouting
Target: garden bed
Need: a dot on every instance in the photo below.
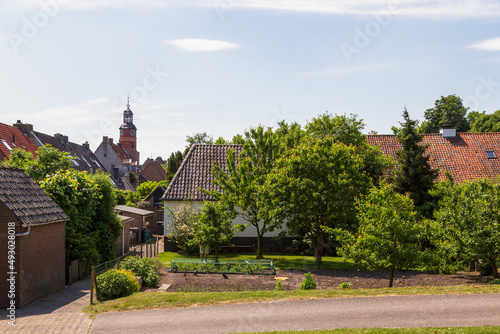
(326, 279)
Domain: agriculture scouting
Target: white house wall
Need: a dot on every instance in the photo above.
(250, 231)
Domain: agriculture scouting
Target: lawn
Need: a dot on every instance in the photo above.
(440, 330)
(282, 261)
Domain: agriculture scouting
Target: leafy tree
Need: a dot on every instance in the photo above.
(238, 140)
(470, 220)
(199, 138)
(183, 217)
(313, 188)
(290, 135)
(105, 225)
(214, 226)
(388, 235)
(173, 164)
(19, 158)
(482, 122)
(222, 141)
(75, 193)
(242, 186)
(413, 174)
(343, 129)
(447, 111)
(145, 188)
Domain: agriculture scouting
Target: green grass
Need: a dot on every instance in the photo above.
(163, 300)
(440, 330)
(282, 261)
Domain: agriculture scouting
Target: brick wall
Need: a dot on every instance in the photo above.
(40, 261)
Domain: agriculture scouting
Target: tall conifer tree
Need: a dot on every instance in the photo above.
(413, 174)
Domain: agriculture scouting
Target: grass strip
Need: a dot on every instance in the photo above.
(165, 300)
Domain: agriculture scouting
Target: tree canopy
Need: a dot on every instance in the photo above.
(448, 111)
(483, 122)
(313, 187)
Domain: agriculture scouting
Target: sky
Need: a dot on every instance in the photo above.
(223, 66)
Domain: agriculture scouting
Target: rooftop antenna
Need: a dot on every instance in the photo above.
(128, 101)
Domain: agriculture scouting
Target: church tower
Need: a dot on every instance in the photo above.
(128, 133)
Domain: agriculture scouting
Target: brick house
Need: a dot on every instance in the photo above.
(464, 155)
(11, 137)
(151, 170)
(36, 224)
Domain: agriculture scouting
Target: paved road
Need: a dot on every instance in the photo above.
(388, 311)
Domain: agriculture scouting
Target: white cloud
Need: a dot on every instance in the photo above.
(417, 8)
(492, 44)
(201, 45)
(340, 70)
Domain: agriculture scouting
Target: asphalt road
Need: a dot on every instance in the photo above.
(387, 311)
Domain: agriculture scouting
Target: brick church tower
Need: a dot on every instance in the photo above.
(128, 134)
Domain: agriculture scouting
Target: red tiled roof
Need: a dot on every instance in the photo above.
(13, 137)
(464, 156)
(152, 171)
(121, 153)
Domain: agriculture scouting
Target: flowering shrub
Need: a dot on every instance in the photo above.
(182, 233)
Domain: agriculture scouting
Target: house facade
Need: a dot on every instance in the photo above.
(195, 173)
(32, 240)
(11, 137)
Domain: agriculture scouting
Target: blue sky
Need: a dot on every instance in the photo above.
(223, 66)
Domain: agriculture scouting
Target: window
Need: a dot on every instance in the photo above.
(6, 144)
(491, 155)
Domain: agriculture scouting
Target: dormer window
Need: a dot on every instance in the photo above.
(491, 155)
(6, 144)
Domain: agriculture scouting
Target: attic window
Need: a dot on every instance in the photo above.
(491, 155)
(6, 144)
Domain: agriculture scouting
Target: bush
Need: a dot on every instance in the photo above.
(116, 283)
(308, 283)
(345, 285)
(494, 282)
(279, 285)
(147, 268)
(485, 268)
(182, 233)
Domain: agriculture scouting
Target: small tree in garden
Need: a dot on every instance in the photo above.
(181, 228)
(388, 235)
(213, 227)
(469, 219)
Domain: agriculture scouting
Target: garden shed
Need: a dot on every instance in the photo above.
(32, 245)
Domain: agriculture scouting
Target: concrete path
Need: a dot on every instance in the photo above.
(319, 314)
(61, 312)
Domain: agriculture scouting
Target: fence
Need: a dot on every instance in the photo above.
(148, 249)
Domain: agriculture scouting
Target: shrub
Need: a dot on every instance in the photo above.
(182, 233)
(278, 286)
(495, 281)
(147, 268)
(485, 268)
(345, 285)
(116, 283)
(308, 283)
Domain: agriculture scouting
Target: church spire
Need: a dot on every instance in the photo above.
(128, 101)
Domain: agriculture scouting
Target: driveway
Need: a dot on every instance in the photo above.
(318, 314)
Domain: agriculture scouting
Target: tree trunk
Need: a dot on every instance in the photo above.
(494, 267)
(391, 276)
(259, 246)
(319, 245)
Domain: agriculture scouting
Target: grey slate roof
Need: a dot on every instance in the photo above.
(26, 200)
(195, 172)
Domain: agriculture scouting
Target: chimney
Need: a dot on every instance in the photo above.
(26, 129)
(86, 145)
(111, 140)
(448, 132)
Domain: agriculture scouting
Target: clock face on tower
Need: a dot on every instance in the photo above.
(132, 132)
(121, 132)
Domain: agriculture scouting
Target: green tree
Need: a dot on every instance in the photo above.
(199, 138)
(173, 164)
(482, 122)
(413, 174)
(145, 188)
(75, 192)
(105, 224)
(214, 226)
(470, 220)
(448, 111)
(181, 231)
(389, 233)
(19, 158)
(342, 128)
(290, 135)
(313, 188)
(243, 184)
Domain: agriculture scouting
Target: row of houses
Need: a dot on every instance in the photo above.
(465, 156)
